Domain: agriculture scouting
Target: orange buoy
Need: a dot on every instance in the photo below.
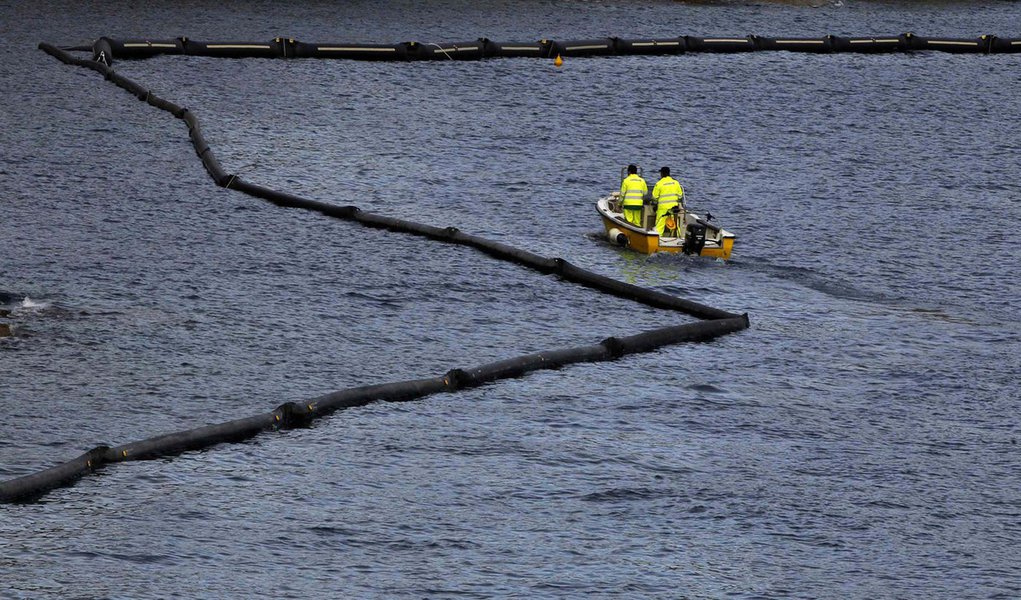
(558, 61)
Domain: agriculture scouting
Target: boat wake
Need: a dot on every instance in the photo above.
(820, 282)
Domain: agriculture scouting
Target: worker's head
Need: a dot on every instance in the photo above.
(664, 171)
(632, 169)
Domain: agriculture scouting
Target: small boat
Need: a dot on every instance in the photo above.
(690, 234)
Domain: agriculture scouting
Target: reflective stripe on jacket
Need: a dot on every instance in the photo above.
(632, 191)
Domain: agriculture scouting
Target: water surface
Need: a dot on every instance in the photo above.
(860, 440)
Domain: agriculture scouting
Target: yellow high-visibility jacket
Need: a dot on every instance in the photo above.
(632, 190)
(668, 193)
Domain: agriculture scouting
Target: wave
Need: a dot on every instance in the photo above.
(30, 304)
(627, 494)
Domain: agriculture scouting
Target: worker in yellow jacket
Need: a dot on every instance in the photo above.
(668, 194)
(632, 195)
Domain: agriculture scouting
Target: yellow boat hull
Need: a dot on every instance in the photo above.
(719, 242)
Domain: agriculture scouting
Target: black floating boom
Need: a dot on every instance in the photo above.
(107, 49)
(716, 322)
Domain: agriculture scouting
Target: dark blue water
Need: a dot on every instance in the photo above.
(859, 441)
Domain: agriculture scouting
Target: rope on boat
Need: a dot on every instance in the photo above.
(715, 323)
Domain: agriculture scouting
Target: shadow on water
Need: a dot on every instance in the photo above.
(6, 309)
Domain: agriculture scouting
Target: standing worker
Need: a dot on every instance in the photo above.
(668, 194)
(632, 194)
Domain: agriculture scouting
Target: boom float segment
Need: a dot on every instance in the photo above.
(717, 322)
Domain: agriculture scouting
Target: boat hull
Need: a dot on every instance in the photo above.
(719, 242)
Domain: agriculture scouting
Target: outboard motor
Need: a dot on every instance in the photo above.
(694, 238)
